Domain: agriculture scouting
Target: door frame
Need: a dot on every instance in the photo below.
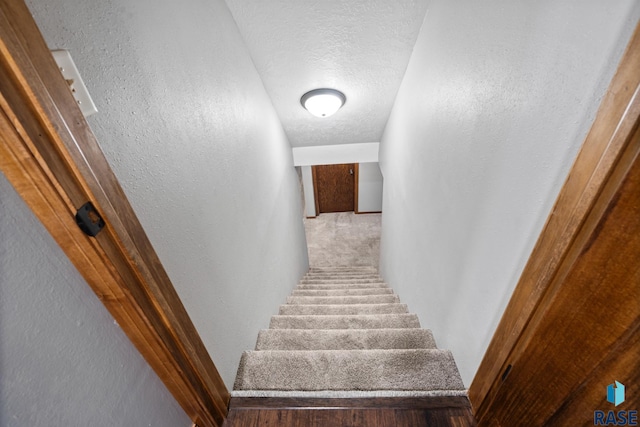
(53, 160)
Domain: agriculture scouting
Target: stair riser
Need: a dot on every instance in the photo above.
(365, 299)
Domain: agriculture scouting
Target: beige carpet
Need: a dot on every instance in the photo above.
(343, 239)
(344, 333)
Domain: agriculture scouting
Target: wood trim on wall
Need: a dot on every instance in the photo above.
(51, 157)
(590, 191)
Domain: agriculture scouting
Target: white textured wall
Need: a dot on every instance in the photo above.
(63, 360)
(497, 99)
(369, 187)
(192, 136)
(335, 154)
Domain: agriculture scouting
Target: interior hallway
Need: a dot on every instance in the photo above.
(343, 239)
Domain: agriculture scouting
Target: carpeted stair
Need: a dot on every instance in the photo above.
(344, 333)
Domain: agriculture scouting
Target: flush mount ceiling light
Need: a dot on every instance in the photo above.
(323, 102)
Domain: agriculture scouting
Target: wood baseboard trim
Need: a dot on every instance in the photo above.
(52, 159)
(368, 212)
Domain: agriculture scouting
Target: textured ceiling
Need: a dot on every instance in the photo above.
(359, 47)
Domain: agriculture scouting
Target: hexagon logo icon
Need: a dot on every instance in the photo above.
(615, 393)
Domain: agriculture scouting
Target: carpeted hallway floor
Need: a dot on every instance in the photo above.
(343, 239)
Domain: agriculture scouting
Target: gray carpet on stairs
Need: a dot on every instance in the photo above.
(341, 280)
(342, 286)
(356, 321)
(347, 299)
(340, 292)
(344, 333)
(340, 339)
(348, 370)
(343, 309)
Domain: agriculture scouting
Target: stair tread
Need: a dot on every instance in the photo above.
(343, 286)
(343, 268)
(344, 339)
(342, 292)
(343, 309)
(342, 277)
(417, 369)
(344, 273)
(341, 280)
(357, 321)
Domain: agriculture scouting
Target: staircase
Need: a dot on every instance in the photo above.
(344, 333)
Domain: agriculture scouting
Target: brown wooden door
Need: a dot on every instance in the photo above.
(334, 187)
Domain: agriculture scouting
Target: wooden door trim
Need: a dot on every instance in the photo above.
(52, 159)
(600, 167)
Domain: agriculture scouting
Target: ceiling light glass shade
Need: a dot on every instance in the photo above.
(323, 102)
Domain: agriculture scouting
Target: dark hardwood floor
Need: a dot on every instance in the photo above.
(374, 412)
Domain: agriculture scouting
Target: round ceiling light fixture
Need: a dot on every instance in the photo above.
(323, 102)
